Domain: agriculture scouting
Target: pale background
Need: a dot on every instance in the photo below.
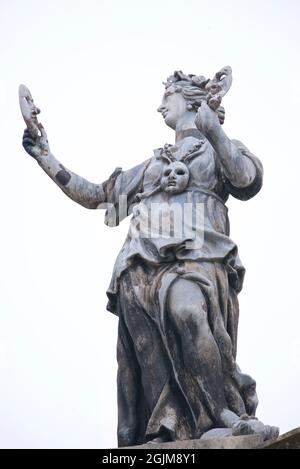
(95, 68)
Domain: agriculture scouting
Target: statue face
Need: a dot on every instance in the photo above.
(175, 178)
(172, 107)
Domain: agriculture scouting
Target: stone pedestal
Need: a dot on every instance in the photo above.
(232, 442)
(290, 440)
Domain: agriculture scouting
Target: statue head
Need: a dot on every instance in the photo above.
(175, 177)
(185, 93)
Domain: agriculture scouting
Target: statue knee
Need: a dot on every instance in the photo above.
(187, 305)
(193, 314)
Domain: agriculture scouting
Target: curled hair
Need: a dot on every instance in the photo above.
(192, 94)
(197, 88)
(194, 97)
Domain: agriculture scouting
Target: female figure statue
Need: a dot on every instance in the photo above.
(175, 293)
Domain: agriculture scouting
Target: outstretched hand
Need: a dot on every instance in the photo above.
(36, 146)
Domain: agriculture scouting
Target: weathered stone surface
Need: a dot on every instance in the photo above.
(289, 440)
(217, 433)
(176, 279)
(220, 438)
(234, 442)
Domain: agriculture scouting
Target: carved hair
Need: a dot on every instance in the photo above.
(191, 93)
(197, 88)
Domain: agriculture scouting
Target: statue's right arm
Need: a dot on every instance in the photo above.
(80, 190)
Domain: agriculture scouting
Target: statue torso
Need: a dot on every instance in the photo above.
(197, 155)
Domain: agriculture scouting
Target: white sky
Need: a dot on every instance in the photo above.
(95, 68)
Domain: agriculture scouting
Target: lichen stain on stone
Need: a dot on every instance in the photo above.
(63, 177)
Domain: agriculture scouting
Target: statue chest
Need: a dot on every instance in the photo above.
(176, 169)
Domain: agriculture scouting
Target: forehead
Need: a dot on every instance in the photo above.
(177, 164)
(170, 90)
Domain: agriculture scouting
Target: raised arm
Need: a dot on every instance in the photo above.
(80, 190)
(117, 194)
(36, 144)
(236, 160)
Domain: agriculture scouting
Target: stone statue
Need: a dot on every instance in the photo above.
(176, 280)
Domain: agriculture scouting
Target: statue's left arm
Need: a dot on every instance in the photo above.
(241, 169)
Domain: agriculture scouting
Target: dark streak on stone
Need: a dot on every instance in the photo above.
(63, 177)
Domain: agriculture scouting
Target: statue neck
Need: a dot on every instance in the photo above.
(193, 132)
(186, 127)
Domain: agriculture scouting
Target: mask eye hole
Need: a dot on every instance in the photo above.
(180, 172)
(167, 172)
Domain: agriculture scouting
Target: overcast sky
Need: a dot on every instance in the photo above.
(95, 68)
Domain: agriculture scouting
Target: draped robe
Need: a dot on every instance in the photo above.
(157, 392)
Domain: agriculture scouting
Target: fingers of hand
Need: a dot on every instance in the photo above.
(215, 102)
(28, 140)
(31, 150)
(28, 134)
(221, 115)
(30, 144)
